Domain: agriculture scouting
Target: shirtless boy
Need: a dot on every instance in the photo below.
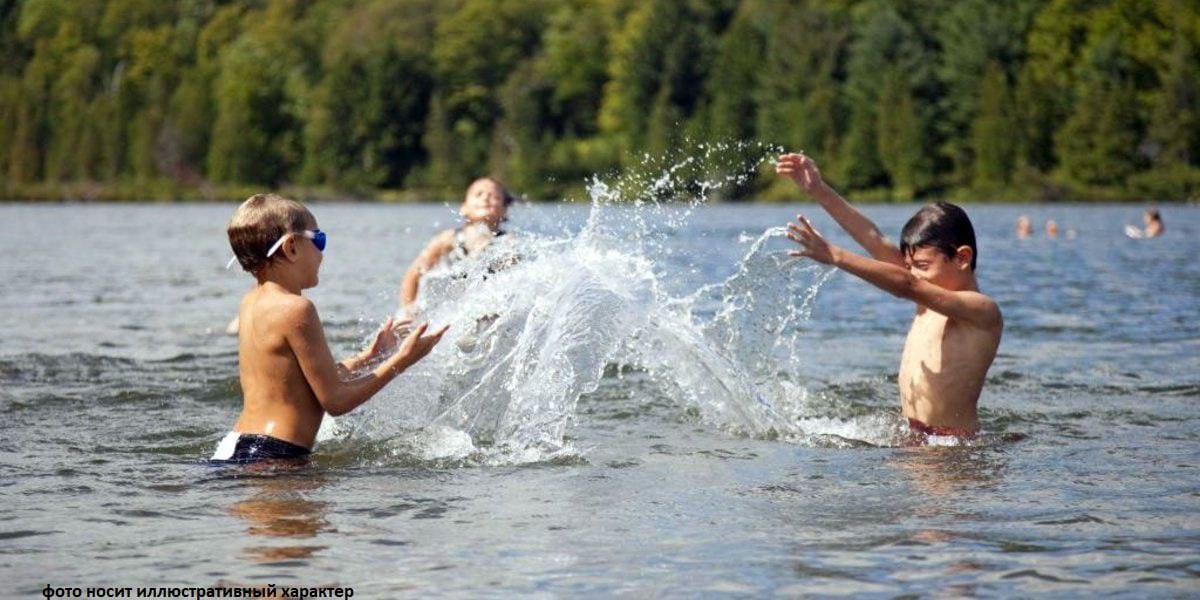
(484, 208)
(956, 331)
(288, 375)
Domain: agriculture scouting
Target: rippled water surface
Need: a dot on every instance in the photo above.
(703, 456)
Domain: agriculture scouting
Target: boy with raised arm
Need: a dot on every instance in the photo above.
(288, 375)
(956, 331)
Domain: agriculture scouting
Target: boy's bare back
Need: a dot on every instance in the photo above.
(277, 399)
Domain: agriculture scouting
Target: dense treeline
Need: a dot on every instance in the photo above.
(897, 99)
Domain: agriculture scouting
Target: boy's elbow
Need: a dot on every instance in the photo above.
(335, 409)
(333, 405)
(907, 287)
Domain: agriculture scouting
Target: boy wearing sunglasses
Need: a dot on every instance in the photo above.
(288, 375)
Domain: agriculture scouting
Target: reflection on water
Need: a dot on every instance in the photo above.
(943, 473)
(278, 507)
(943, 479)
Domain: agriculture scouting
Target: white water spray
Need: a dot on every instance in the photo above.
(535, 320)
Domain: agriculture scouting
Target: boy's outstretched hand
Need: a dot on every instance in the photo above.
(417, 344)
(815, 246)
(388, 337)
(801, 169)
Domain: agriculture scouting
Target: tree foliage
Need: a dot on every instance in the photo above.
(895, 99)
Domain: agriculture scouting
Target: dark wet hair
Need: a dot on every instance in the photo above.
(939, 225)
(1153, 212)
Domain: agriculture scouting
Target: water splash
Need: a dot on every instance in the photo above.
(536, 319)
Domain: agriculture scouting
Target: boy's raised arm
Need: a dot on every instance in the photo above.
(307, 340)
(424, 261)
(967, 306)
(804, 172)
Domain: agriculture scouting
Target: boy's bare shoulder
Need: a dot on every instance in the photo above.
(285, 311)
(298, 311)
(985, 307)
(978, 296)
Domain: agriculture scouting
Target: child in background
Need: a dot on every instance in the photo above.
(1153, 221)
(1154, 226)
(485, 207)
(956, 330)
(1024, 227)
(288, 375)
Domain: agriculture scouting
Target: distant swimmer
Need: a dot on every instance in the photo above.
(956, 332)
(1154, 226)
(1153, 221)
(484, 209)
(1051, 228)
(1024, 227)
(288, 376)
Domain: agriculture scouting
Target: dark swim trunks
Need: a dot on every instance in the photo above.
(241, 448)
(919, 427)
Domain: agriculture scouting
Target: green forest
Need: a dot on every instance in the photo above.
(411, 99)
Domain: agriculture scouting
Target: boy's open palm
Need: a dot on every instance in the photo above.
(389, 336)
(801, 169)
(815, 246)
(417, 344)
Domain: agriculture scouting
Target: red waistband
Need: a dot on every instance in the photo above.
(919, 427)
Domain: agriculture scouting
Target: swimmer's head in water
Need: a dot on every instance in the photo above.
(938, 243)
(261, 222)
(486, 201)
(1151, 216)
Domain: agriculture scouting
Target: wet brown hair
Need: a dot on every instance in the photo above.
(259, 222)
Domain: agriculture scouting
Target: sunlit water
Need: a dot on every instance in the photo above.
(648, 400)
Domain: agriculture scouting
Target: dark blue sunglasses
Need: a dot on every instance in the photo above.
(318, 238)
(316, 235)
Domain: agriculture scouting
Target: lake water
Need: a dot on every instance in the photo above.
(673, 444)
